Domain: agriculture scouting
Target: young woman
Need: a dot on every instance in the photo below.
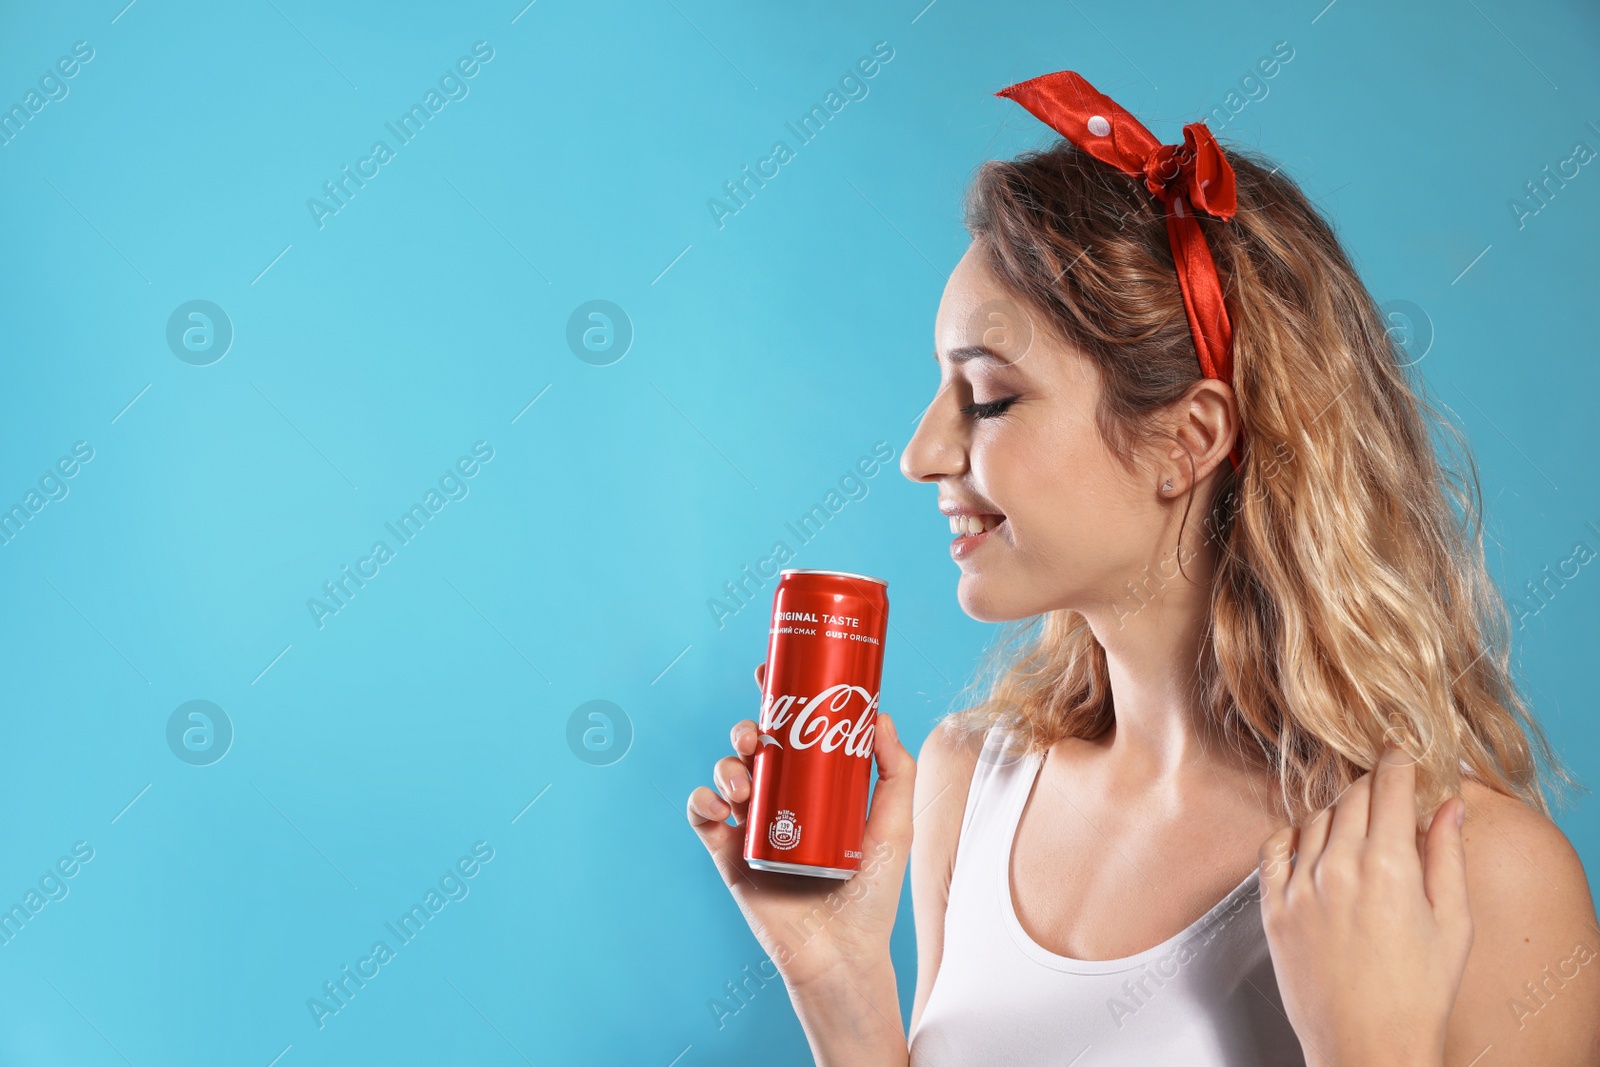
(1251, 783)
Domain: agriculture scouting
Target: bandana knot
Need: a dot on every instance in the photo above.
(1195, 173)
(1194, 176)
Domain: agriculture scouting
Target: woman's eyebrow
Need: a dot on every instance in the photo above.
(968, 353)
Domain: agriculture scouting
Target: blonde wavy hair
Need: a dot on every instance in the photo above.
(1351, 601)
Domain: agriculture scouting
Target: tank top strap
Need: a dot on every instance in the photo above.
(1001, 780)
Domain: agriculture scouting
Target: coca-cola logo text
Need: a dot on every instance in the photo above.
(823, 720)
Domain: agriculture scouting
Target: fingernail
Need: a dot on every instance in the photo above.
(1461, 814)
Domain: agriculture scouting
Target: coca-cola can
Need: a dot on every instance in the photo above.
(819, 707)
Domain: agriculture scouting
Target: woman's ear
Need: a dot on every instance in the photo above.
(1202, 429)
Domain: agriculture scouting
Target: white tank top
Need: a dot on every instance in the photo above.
(1206, 997)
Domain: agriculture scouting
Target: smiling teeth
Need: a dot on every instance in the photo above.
(971, 525)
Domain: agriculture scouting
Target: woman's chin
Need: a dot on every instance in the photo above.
(980, 598)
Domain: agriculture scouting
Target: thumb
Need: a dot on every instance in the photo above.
(706, 811)
(890, 816)
(1444, 861)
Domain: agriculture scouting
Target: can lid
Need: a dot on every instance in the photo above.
(840, 574)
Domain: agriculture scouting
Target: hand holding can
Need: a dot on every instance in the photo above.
(810, 927)
(819, 705)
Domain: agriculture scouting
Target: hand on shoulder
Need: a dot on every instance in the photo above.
(1469, 944)
(1369, 924)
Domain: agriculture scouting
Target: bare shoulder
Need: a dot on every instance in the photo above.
(947, 744)
(1531, 990)
(945, 766)
(1520, 864)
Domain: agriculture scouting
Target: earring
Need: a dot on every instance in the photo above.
(1167, 485)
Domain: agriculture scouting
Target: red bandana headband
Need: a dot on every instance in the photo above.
(1188, 177)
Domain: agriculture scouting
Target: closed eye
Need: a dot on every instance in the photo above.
(988, 409)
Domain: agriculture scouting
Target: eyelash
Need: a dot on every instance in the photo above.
(988, 409)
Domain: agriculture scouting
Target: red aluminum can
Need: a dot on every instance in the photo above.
(819, 706)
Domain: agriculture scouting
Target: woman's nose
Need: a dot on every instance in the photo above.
(936, 449)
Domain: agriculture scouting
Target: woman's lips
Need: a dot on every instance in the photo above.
(966, 544)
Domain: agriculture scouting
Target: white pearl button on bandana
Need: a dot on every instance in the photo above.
(1099, 126)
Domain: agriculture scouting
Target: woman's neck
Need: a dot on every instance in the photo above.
(1162, 734)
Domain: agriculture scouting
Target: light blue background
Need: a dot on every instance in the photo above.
(768, 356)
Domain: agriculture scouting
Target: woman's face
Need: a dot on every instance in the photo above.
(1011, 435)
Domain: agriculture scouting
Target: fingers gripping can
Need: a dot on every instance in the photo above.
(819, 707)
